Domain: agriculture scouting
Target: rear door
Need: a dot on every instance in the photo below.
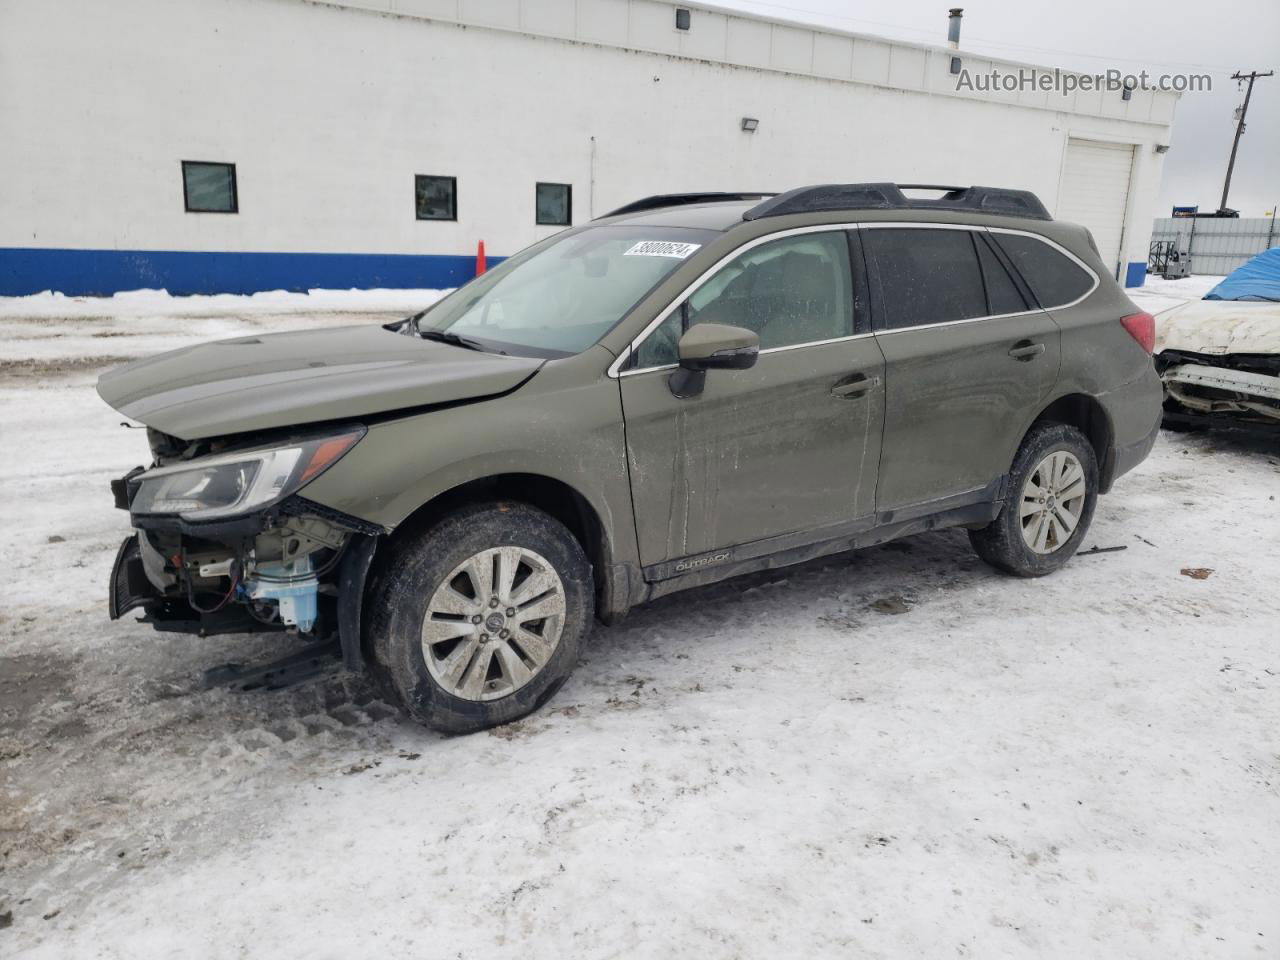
(966, 358)
(774, 456)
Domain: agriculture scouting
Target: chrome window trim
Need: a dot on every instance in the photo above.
(816, 343)
(791, 346)
(917, 225)
(616, 372)
(956, 323)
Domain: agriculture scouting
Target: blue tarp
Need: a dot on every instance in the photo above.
(1256, 279)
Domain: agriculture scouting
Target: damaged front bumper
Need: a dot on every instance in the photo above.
(296, 566)
(1244, 388)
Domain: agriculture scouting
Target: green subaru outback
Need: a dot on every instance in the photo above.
(691, 388)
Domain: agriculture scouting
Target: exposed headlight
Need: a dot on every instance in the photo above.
(234, 483)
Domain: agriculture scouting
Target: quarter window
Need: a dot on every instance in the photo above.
(436, 198)
(209, 187)
(925, 276)
(791, 291)
(1053, 278)
(553, 204)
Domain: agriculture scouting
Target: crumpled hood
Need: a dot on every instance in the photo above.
(286, 379)
(1220, 327)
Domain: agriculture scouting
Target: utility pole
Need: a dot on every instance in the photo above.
(1235, 144)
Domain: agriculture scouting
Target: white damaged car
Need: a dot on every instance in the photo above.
(1219, 357)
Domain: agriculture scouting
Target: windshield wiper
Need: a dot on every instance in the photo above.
(453, 339)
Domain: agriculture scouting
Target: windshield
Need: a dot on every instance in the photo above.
(559, 297)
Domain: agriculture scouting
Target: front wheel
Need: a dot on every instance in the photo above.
(478, 621)
(1053, 488)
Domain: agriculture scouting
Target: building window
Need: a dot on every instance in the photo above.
(554, 204)
(682, 18)
(209, 187)
(436, 198)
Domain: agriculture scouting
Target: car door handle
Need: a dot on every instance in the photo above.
(852, 387)
(1026, 350)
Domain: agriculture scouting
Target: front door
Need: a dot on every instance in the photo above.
(789, 447)
(968, 359)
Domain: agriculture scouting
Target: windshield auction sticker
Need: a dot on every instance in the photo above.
(662, 248)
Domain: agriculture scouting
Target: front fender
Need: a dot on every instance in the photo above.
(564, 424)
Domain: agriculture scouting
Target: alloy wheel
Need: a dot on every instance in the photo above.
(494, 623)
(1053, 499)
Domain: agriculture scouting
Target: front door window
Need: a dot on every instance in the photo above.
(790, 291)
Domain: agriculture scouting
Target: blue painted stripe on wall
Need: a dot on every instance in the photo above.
(1135, 274)
(104, 272)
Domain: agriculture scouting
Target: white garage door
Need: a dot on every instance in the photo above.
(1095, 189)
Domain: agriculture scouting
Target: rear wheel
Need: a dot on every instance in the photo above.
(478, 621)
(1053, 488)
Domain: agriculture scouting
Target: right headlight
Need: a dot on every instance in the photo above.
(232, 484)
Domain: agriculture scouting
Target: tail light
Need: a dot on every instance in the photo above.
(1142, 327)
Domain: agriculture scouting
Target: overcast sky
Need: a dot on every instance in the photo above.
(1217, 37)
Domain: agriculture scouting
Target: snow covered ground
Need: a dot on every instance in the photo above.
(897, 753)
(1158, 295)
(1185, 288)
(50, 332)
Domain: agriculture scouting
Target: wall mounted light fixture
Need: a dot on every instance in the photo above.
(749, 124)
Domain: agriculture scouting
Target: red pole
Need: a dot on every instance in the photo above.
(480, 267)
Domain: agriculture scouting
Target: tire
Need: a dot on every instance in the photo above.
(1003, 543)
(476, 679)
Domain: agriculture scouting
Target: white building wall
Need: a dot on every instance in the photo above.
(328, 112)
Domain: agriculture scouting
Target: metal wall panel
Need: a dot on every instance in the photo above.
(1218, 246)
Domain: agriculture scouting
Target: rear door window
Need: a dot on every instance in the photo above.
(1055, 279)
(1002, 294)
(924, 276)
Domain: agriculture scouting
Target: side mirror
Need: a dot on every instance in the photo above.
(712, 346)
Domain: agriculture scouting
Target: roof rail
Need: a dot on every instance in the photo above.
(681, 199)
(889, 196)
